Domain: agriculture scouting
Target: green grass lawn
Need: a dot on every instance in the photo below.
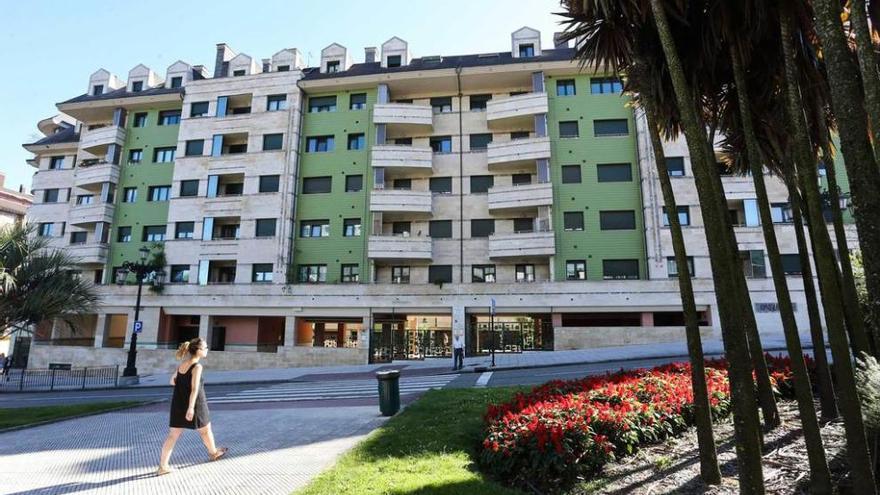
(426, 449)
(22, 416)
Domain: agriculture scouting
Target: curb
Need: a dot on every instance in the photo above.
(83, 415)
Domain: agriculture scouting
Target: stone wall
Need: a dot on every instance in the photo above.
(152, 361)
(568, 338)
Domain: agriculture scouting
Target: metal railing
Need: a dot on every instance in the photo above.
(22, 379)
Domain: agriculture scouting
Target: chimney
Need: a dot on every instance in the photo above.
(370, 54)
(199, 72)
(267, 64)
(557, 41)
(221, 62)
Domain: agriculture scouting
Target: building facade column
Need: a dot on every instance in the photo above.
(100, 329)
(289, 331)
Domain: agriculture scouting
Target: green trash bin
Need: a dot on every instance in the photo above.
(389, 392)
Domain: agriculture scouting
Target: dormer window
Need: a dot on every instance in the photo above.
(333, 67)
(176, 82)
(137, 86)
(283, 68)
(527, 50)
(97, 89)
(393, 60)
(238, 73)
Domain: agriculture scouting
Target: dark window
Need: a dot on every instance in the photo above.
(573, 220)
(357, 101)
(672, 266)
(84, 199)
(441, 144)
(318, 144)
(565, 87)
(97, 89)
(195, 147)
(169, 117)
(283, 68)
(525, 273)
(684, 216)
(272, 142)
(440, 185)
(176, 82)
(781, 213)
(478, 102)
(440, 274)
(482, 227)
(56, 163)
(791, 264)
(78, 237)
(393, 61)
(262, 272)
(753, 263)
(399, 274)
(316, 185)
(268, 183)
(184, 230)
(322, 104)
(314, 228)
(158, 193)
(357, 141)
(139, 119)
(617, 220)
(123, 234)
(129, 194)
(179, 274)
(614, 172)
(198, 109)
(605, 85)
(313, 274)
(354, 183)
(620, 269)
(403, 141)
(523, 225)
(527, 50)
(137, 86)
(276, 102)
(45, 230)
(481, 183)
(153, 233)
(480, 141)
(402, 184)
(163, 155)
(401, 228)
(351, 227)
(483, 274)
(519, 135)
(440, 229)
(571, 174)
(576, 270)
(521, 179)
(610, 127)
(351, 273)
(189, 188)
(333, 66)
(135, 156)
(675, 165)
(238, 73)
(568, 129)
(265, 227)
(50, 196)
(441, 105)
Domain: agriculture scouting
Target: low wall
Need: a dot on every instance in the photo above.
(568, 338)
(152, 361)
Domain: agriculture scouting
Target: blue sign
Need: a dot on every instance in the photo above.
(138, 326)
(492, 307)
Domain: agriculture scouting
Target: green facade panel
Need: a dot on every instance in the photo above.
(591, 196)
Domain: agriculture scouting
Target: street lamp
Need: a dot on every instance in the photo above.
(141, 270)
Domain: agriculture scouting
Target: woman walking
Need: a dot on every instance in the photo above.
(189, 406)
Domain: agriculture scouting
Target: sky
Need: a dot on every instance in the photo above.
(51, 47)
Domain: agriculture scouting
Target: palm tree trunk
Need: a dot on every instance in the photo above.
(849, 109)
(747, 428)
(820, 476)
(856, 440)
(868, 67)
(709, 470)
(827, 401)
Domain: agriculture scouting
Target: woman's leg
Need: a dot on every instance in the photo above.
(168, 446)
(208, 438)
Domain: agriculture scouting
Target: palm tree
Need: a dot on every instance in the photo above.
(858, 17)
(39, 284)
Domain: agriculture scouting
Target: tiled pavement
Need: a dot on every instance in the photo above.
(271, 452)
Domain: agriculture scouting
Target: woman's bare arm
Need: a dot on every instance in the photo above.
(196, 377)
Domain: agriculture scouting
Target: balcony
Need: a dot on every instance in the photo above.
(521, 246)
(517, 152)
(90, 214)
(86, 254)
(400, 201)
(399, 248)
(403, 118)
(96, 174)
(96, 141)
(516, 111)
(520, 197)
(402, 158)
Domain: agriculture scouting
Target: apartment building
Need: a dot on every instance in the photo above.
(363, 212)
(13, 204)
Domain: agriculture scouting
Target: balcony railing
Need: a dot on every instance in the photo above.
(402, 157)
(87, 175)
(520, 197)
(522, 245)
(403, 118)
(400, 248)
(92, 213)
(517, 152)
(96, 141)
(400, 201)
(515, 111)
(92, 253)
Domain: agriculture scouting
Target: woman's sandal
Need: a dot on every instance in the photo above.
(219, 453)
(162, 471)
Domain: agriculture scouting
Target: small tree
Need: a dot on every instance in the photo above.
(38, 283)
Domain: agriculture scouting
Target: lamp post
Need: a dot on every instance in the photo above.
(141, 270)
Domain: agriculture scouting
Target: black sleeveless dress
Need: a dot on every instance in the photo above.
(180, 402)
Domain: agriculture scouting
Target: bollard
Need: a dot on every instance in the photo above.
(389, 392)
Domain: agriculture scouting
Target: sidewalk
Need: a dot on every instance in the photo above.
(528, 359)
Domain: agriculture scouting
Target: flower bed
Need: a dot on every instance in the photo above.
(564, 428)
